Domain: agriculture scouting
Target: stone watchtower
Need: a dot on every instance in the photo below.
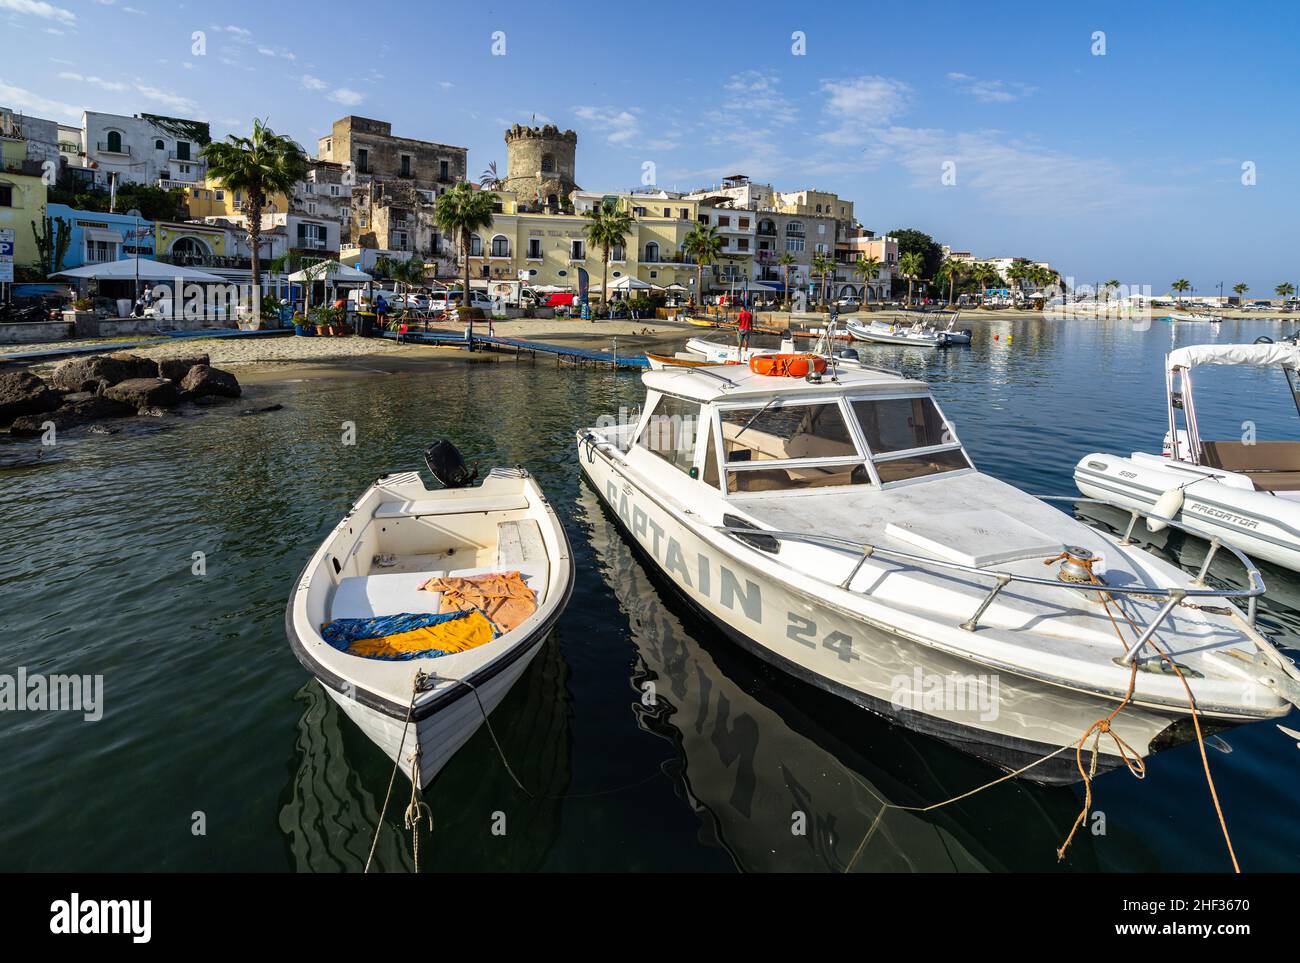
(539, 165)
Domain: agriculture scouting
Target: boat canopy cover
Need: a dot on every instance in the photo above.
(1260, 355)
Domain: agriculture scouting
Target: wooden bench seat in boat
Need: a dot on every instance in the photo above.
(519, 547)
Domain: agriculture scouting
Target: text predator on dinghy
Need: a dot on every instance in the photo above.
(837, 529)
(432, 602)
(1246, 494)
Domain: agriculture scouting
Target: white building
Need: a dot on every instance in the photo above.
(145, 149)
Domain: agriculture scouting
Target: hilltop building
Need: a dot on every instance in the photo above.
(540, 165)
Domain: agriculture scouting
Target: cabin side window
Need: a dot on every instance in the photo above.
(783, 447)
(908, 438)
(671, 431)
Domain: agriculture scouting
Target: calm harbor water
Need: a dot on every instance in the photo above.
(210, 720)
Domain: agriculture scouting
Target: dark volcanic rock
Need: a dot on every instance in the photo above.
(144, 393)
(208, 400)
(70, 416)
(137, 366)
(72, 397)
(99, 372)
(178, 368)
(204, 380)
(22, 393)
(153, 411)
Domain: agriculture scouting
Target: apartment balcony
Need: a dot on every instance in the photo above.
(174, 157)
(123, 150)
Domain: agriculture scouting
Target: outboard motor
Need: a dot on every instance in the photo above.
(447, 465)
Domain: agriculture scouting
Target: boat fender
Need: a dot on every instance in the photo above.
(1167, 506)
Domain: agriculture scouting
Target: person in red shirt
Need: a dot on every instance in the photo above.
(744, 324)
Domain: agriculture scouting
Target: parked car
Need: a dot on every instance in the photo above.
(848, 304)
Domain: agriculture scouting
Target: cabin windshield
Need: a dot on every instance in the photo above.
(908, 438)
(776, 447)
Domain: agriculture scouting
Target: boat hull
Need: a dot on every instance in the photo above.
(1005, 719)
(1262, 525)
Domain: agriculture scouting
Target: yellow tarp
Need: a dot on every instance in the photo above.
(458, 635)
(501, 596)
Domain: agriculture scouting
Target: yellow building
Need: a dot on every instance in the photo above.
(183, 241)
(210, 199)
(22, 199)
(815, 202)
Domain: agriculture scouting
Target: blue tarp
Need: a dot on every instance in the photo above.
(341, 633)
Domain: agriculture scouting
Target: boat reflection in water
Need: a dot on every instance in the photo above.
(331, 806)
(753, 759)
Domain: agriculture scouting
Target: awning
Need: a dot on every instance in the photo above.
(1259, 355)
(330, 271)
(559, 299)
(102, 235)
(146, 269)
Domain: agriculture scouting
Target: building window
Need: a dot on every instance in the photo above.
(182, 150)
(743, 223)
(100, 252)
(406, 165)
(577, 251)
(334, 190)
(653, 275)
(617, 253)
(114, 143)
(159, 145)
(668, 212)
(685, 213)
(6, 195)
(794, 244)
(794, 229)
(535, 248)
(475, 246)
(400, 240)
(443, 173)
(221, 195)
(724, 221)
(500, 246)
(548, 163)
(652, 251)
(742, 244)
(363, 160)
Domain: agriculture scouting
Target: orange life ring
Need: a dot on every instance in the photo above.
(787, 365)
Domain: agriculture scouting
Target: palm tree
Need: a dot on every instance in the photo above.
(1181, 285)
(824, 265)
(1240, 288)
(1110, 286)
(460, 213)
(1284, 290)
(607, 228)
(910, 266)
(490, 180)
(866, 268)
(704, 244)
(787, 261)
(952, 271)
(258, 166)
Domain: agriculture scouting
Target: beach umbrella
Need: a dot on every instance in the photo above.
(141, 268)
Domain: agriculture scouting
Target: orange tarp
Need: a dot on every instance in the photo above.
(501, 596)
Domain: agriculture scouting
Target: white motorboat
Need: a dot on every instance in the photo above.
(837, 529)
(717, 353)
(1247, 495)
(373, 569)
(1190, 317)
(918, 333)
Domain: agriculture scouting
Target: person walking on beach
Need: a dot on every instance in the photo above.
(744, 324)
(381, 312)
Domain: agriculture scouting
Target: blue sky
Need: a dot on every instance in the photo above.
(1125, 165)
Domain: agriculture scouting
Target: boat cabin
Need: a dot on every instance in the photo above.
(740, 433)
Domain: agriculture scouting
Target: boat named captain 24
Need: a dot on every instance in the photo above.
(730, 592)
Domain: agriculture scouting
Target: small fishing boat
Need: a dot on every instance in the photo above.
(1189, 317)
(836, 527)
(423, 607)
(682, 359)
(719, 353)
(1245, 494)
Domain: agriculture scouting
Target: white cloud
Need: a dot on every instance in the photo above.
(116, 86)
(346, 96)
(30, 103)
(619, 127)
(446, 84)
(38, 8)
(991, 91)
(858, 103)
(758, 92)
(313, 83)
(237, 31)
(147, 91)
(135, 11)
